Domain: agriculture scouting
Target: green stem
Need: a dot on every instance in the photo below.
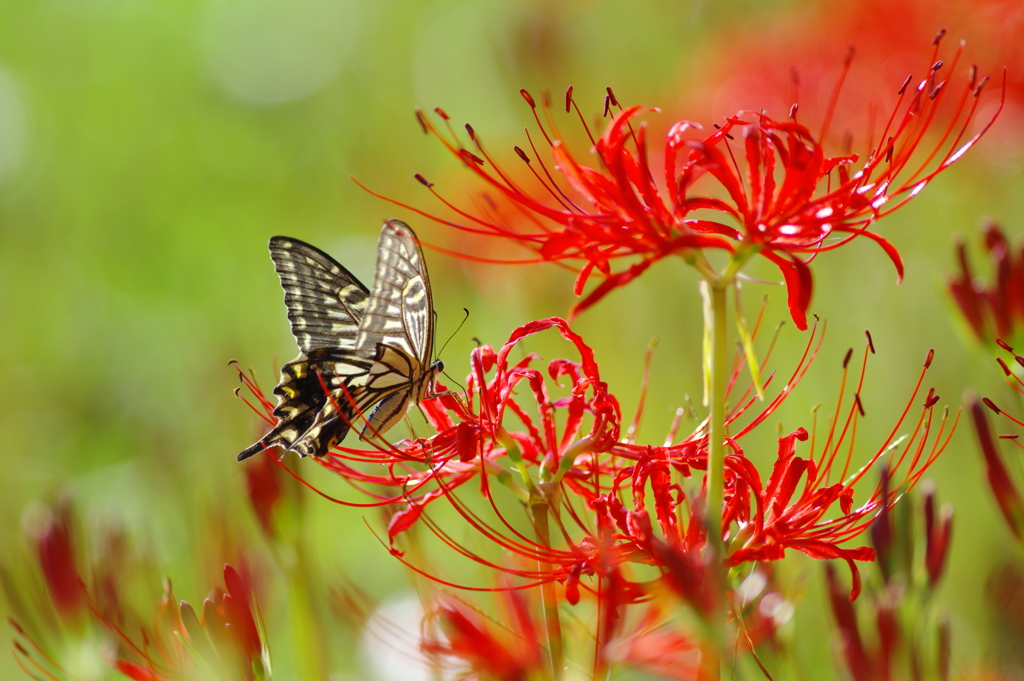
(540, 509)
(719, 379)
(716, 430)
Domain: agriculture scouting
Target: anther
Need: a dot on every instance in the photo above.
(472, 133)
(846, 360)
(860, 405)
(522, 154)
(931, 400)
(937, 90)
(999, 341)
(529, 99)
(421, 120)
(871, 343)
(568, 99)
(440, 112)
(929, 358)
(422, 180)
(611, 96)
(977, 90)
(793, 109)
(937, 65)
(991, 405)
(607, 105)
(903, 88)
(938, 37)
(1003, 366)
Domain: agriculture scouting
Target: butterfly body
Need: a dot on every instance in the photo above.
(364, 357)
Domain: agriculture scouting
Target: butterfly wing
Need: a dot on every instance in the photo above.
(308, 419)
(397, 329)
(325, 305)
(325, 301)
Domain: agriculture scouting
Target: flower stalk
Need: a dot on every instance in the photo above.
(544, 494)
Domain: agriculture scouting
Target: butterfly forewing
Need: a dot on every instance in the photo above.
(325, 301)
(399, 310)
(397, 330)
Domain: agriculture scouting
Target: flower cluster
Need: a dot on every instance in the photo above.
(756, 185)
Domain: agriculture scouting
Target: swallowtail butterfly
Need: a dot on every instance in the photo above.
(377, 345)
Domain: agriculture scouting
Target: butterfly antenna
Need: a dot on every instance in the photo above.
(453, 333)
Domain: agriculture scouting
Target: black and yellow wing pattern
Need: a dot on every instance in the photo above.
(370, 349)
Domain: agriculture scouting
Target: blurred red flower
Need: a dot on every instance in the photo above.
(993, 310)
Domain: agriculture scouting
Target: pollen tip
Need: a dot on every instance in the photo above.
(991, 405)
(999, 341)
(938, 37)
(422, 180)
(441, 112)
(903, 88)
(611, 96)
(1003, 365)
(529, 98)
(846, 360)
(793, 109)
(937, 65)
(871, 342)
(522, 154)
(929, 358)
(472, 133)
(568, 99)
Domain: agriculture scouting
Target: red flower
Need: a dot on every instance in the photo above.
(996, 310)
(787, 199)
(1000, 479)
(477, 647)
(788, 517)
(58, 560)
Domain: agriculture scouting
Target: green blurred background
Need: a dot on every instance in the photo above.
(148, 149)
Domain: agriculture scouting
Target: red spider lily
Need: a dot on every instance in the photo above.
(653, 645)
(785, 517)
(58, 560)
(225, 642)
(787, 57)
(937, 537)
(474, 646)
(1000, 480)
(788, 199)
(996, 310)
(264, 481)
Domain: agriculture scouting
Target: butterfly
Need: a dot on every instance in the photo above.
(371, 350)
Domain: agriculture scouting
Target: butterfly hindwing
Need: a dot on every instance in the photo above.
(308, 420)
